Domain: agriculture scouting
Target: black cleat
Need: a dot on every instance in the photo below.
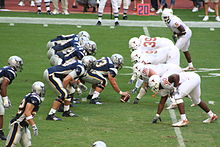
(125, 17)
(117, 23)
(136, 101)
(69, 113)
(49, 12)
(39, 12)
(99, 23)
(89, 97)
(53, 117)
(2, 135)
(95, 101)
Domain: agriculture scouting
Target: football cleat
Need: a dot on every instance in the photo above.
(99, 23)
(49, 12)
(136, 101)
(38, 11)
(2, 135)
(53, 117)
(211, 119)
(125, 17)
(181, 123)
(69, 113)
(217, 18)
(21, 3)
(206, 18)
(172, 106)
(55, 12)
(117, 23)
(95, 101)
(189, 68)
(211, 10)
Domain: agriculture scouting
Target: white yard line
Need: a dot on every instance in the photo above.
(172, 112)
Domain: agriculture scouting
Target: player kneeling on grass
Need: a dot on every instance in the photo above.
(179, 86)
(29, 106)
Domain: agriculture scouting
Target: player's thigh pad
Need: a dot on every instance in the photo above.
(26, 137)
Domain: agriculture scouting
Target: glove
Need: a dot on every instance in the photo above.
(6, 102)
(131, 81)
(133, 91)
(82, 87)
(156, 118)
(79, 91)
(35, 129)
(174, 36)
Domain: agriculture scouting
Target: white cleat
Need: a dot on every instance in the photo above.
(211, 10)
(159, 11)
(21, 3)
(65, 13)
(55, 12)
(195, 9)
(172, 106)
(211, 119)
(206, 18)
(188, 68)
(181, 123)
(217, 18)
(32, 4)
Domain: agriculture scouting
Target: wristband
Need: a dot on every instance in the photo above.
(5, 97)
(120, 92)
(29, 117)
(157, 115)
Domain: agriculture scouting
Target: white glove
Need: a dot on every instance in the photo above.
(6, 102)
(35, 129)
(79, 91)
(82, 87)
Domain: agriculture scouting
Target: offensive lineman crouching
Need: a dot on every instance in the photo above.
(19, 131)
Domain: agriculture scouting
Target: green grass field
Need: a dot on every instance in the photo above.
(116, 123)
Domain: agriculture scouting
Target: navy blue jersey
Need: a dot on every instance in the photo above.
(66, 37)
(8, 72)
(105, 66)
(63, 70)
(71, 43)
(31, 98)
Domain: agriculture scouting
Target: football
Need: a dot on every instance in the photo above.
(99, 144)
(124, 99)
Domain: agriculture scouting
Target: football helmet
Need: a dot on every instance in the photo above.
(154, 83)
(83, 41)
(50, 44)
(166, 15)
(138, 68)
(143, 37)
(89, 61)
(55, 60)
(50, 53)
(117, 60)
(135, 56)
(90, 47)
(16, 62)
(39, 88)
(99, 144)
(133, 43)
(84, 34)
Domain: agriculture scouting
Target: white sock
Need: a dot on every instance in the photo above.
(183, 116)
(91, 91)
(141, 93)
(95, 94)
(66, 108)
(52, 111)
(210, 113)
(190, 64)
(138, 83)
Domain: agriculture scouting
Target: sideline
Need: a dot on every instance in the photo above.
(105, 22)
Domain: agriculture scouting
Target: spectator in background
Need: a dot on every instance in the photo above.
(197, 5)
(2, 4)
(206, 18)
(64, 4)
(21, 3)
(88, 4)
(154, 5)
(164, 5)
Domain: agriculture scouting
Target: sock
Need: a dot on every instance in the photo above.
(99, 16)
(66, 108)
(210, 113)
(183, 116)
(38, 7)
(116, 17)
(52, 111)
(138, 83)
(95, 94)
(91, 91)
(125, 12)
(47, 4)
(190, 64)
(141, 93)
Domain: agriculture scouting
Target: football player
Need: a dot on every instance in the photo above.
(146, 71)
(7, 75)
(47, 5)
(181, 34)
(178, 86)
(105, 68)
(126, 4)
(60, 78)
(19, 132)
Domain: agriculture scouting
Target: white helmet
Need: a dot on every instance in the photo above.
(50, 44)
(55, 60)
(39, 88)
(99, 144)
(84, 34)
(135, 56)
(134, 43)
(83, 40)
(16, 62)
(138, 68)
(166, 14)
(90, 47)
(118, 60)
(154, 83)
(89, 61)
(50, 53)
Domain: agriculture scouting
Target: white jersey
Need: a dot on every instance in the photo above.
(148, 44)
(175, 22)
